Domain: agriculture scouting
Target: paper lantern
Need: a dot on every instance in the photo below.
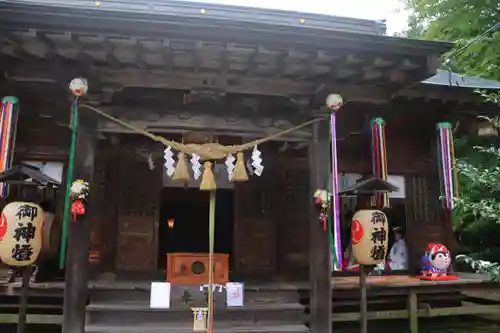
(369, 233)
(21, 230)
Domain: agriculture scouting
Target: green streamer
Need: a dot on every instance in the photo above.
(69, 180)
(211, 241)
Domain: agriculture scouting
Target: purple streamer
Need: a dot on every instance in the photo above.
(447, 170)
(335, 193)
(442, 167)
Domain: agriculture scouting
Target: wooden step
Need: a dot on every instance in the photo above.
(141, 292)
(188, 328)
(131, 313)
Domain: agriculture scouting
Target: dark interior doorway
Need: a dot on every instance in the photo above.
(189, 208)
(396, 217)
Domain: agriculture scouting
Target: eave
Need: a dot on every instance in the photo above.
(225, 50)
(183, 19)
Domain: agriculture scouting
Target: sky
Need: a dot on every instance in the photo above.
(391, 10)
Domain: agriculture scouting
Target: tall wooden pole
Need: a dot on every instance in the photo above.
(75, 292)
(23, 302)
(363, 311)
(319, 251)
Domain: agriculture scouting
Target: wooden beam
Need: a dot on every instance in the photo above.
(224, 61)
(352, 93)
(76, 291)
(139, 54)
(75, 40)
(319, 254)
(109, 49)
(231, 83)
(51, 47)
(281, 61)
(83, 58)
(398, 76)
(408, 65)
(371, 74)
(252, 64)
(432, 64)
(422, 313)
(178, 121)
(189, 81)
(166, 54)
(13, 318)
(382, 63)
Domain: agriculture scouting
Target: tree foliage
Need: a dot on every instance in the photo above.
(474, 27)
(477, 215)
(482, 267)
(461, 21)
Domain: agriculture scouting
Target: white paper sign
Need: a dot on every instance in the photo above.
(234, 294)
(160, 295)
(399, 182)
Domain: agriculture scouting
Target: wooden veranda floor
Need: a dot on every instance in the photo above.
(402, 281)
(338, 283)
(389, 297)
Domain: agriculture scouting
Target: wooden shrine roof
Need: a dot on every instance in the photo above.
(27, 175)
(212, 48)
(369, 185)
(452, 79)
(222, 13)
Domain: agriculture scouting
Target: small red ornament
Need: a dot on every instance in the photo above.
(77, 208)
(324, 221)
(3, 227)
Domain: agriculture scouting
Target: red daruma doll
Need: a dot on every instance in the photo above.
(436, 262)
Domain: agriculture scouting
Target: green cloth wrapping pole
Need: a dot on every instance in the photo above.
(69, 179)
(211, 236)
(330, 221)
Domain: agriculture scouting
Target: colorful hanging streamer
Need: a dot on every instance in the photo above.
(379, 159)
(8, 130)
(448, 178)
(334, 222)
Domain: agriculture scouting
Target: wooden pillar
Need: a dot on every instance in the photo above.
(412, 306)
(75, 291)
(320, 261)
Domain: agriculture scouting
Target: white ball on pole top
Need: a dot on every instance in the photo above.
(334, 102)
(78, 86)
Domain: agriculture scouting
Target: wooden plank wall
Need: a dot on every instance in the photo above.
(292, 218)
(425, 221)
(254, 231)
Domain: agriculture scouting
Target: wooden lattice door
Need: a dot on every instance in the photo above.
(138, 217)
(254, 225)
